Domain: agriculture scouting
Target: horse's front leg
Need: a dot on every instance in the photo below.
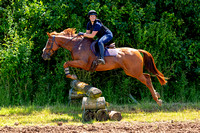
(75, 63)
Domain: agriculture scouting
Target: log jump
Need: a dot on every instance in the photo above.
(93, 105)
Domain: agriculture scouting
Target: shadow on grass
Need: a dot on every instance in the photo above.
(60, 120)
(153, 107)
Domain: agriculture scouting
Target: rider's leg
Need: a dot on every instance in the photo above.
(101, 49)
(103, 40)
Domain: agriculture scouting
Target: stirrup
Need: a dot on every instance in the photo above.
(101, 61)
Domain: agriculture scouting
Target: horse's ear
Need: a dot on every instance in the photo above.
(48, 34)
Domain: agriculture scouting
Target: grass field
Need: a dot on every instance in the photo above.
(52, 115)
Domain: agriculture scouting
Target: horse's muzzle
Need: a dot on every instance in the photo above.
(46, 56)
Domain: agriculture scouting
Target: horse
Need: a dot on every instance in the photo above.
(129, 59)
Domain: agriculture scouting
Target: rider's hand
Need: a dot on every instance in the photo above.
(80, 34)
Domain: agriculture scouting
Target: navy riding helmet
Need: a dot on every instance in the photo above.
(92, 12)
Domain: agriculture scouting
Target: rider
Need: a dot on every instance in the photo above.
(96, 28)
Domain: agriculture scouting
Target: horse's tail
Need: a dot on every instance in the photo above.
(151, 67)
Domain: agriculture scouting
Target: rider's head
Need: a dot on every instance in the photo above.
(92, 14)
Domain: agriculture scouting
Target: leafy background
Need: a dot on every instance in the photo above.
(168, 29)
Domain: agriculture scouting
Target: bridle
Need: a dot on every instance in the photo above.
(50, 49)
(53, 40)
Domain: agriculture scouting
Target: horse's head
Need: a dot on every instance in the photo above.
(50, 48)
(52, 45)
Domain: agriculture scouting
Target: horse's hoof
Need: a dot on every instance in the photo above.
(73, 77)
(158, 95)
(159, 102)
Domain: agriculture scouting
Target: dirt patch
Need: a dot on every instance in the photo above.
(115, 127)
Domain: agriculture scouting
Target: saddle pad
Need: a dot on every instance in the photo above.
(107, 51)
(110, 52)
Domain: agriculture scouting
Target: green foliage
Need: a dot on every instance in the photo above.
(15, 60)
(169, 30)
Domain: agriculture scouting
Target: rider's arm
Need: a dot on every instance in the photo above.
(88, 31)
(92, 35)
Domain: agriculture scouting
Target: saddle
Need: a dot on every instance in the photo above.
(110, 50)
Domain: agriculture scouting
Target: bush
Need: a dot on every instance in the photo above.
(167, 29)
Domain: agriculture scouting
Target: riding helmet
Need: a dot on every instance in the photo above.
(92, 12)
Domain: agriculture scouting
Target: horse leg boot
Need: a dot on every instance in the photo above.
(68, 75)
(101, 48)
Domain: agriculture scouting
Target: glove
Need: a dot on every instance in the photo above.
(80, 34)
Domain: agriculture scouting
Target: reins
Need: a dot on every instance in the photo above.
(53, 40)
(69, 40)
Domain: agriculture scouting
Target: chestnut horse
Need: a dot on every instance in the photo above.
(129, 59)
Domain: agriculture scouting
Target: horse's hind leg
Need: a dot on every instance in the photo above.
(146, 79)
(136, 71)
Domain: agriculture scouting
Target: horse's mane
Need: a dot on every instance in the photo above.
(70, 32)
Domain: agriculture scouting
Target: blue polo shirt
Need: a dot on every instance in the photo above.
(96, 27)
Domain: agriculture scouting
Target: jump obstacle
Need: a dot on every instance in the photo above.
(93, 105)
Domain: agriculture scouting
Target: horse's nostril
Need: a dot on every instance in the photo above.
(44, 56)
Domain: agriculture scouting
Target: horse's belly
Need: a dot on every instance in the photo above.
(111, 63)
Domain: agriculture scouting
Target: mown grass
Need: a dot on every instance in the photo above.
(51, 115)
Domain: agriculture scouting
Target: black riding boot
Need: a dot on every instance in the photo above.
(101, 60)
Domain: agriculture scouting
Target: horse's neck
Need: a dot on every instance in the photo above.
(70, 43)
(67, 42)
